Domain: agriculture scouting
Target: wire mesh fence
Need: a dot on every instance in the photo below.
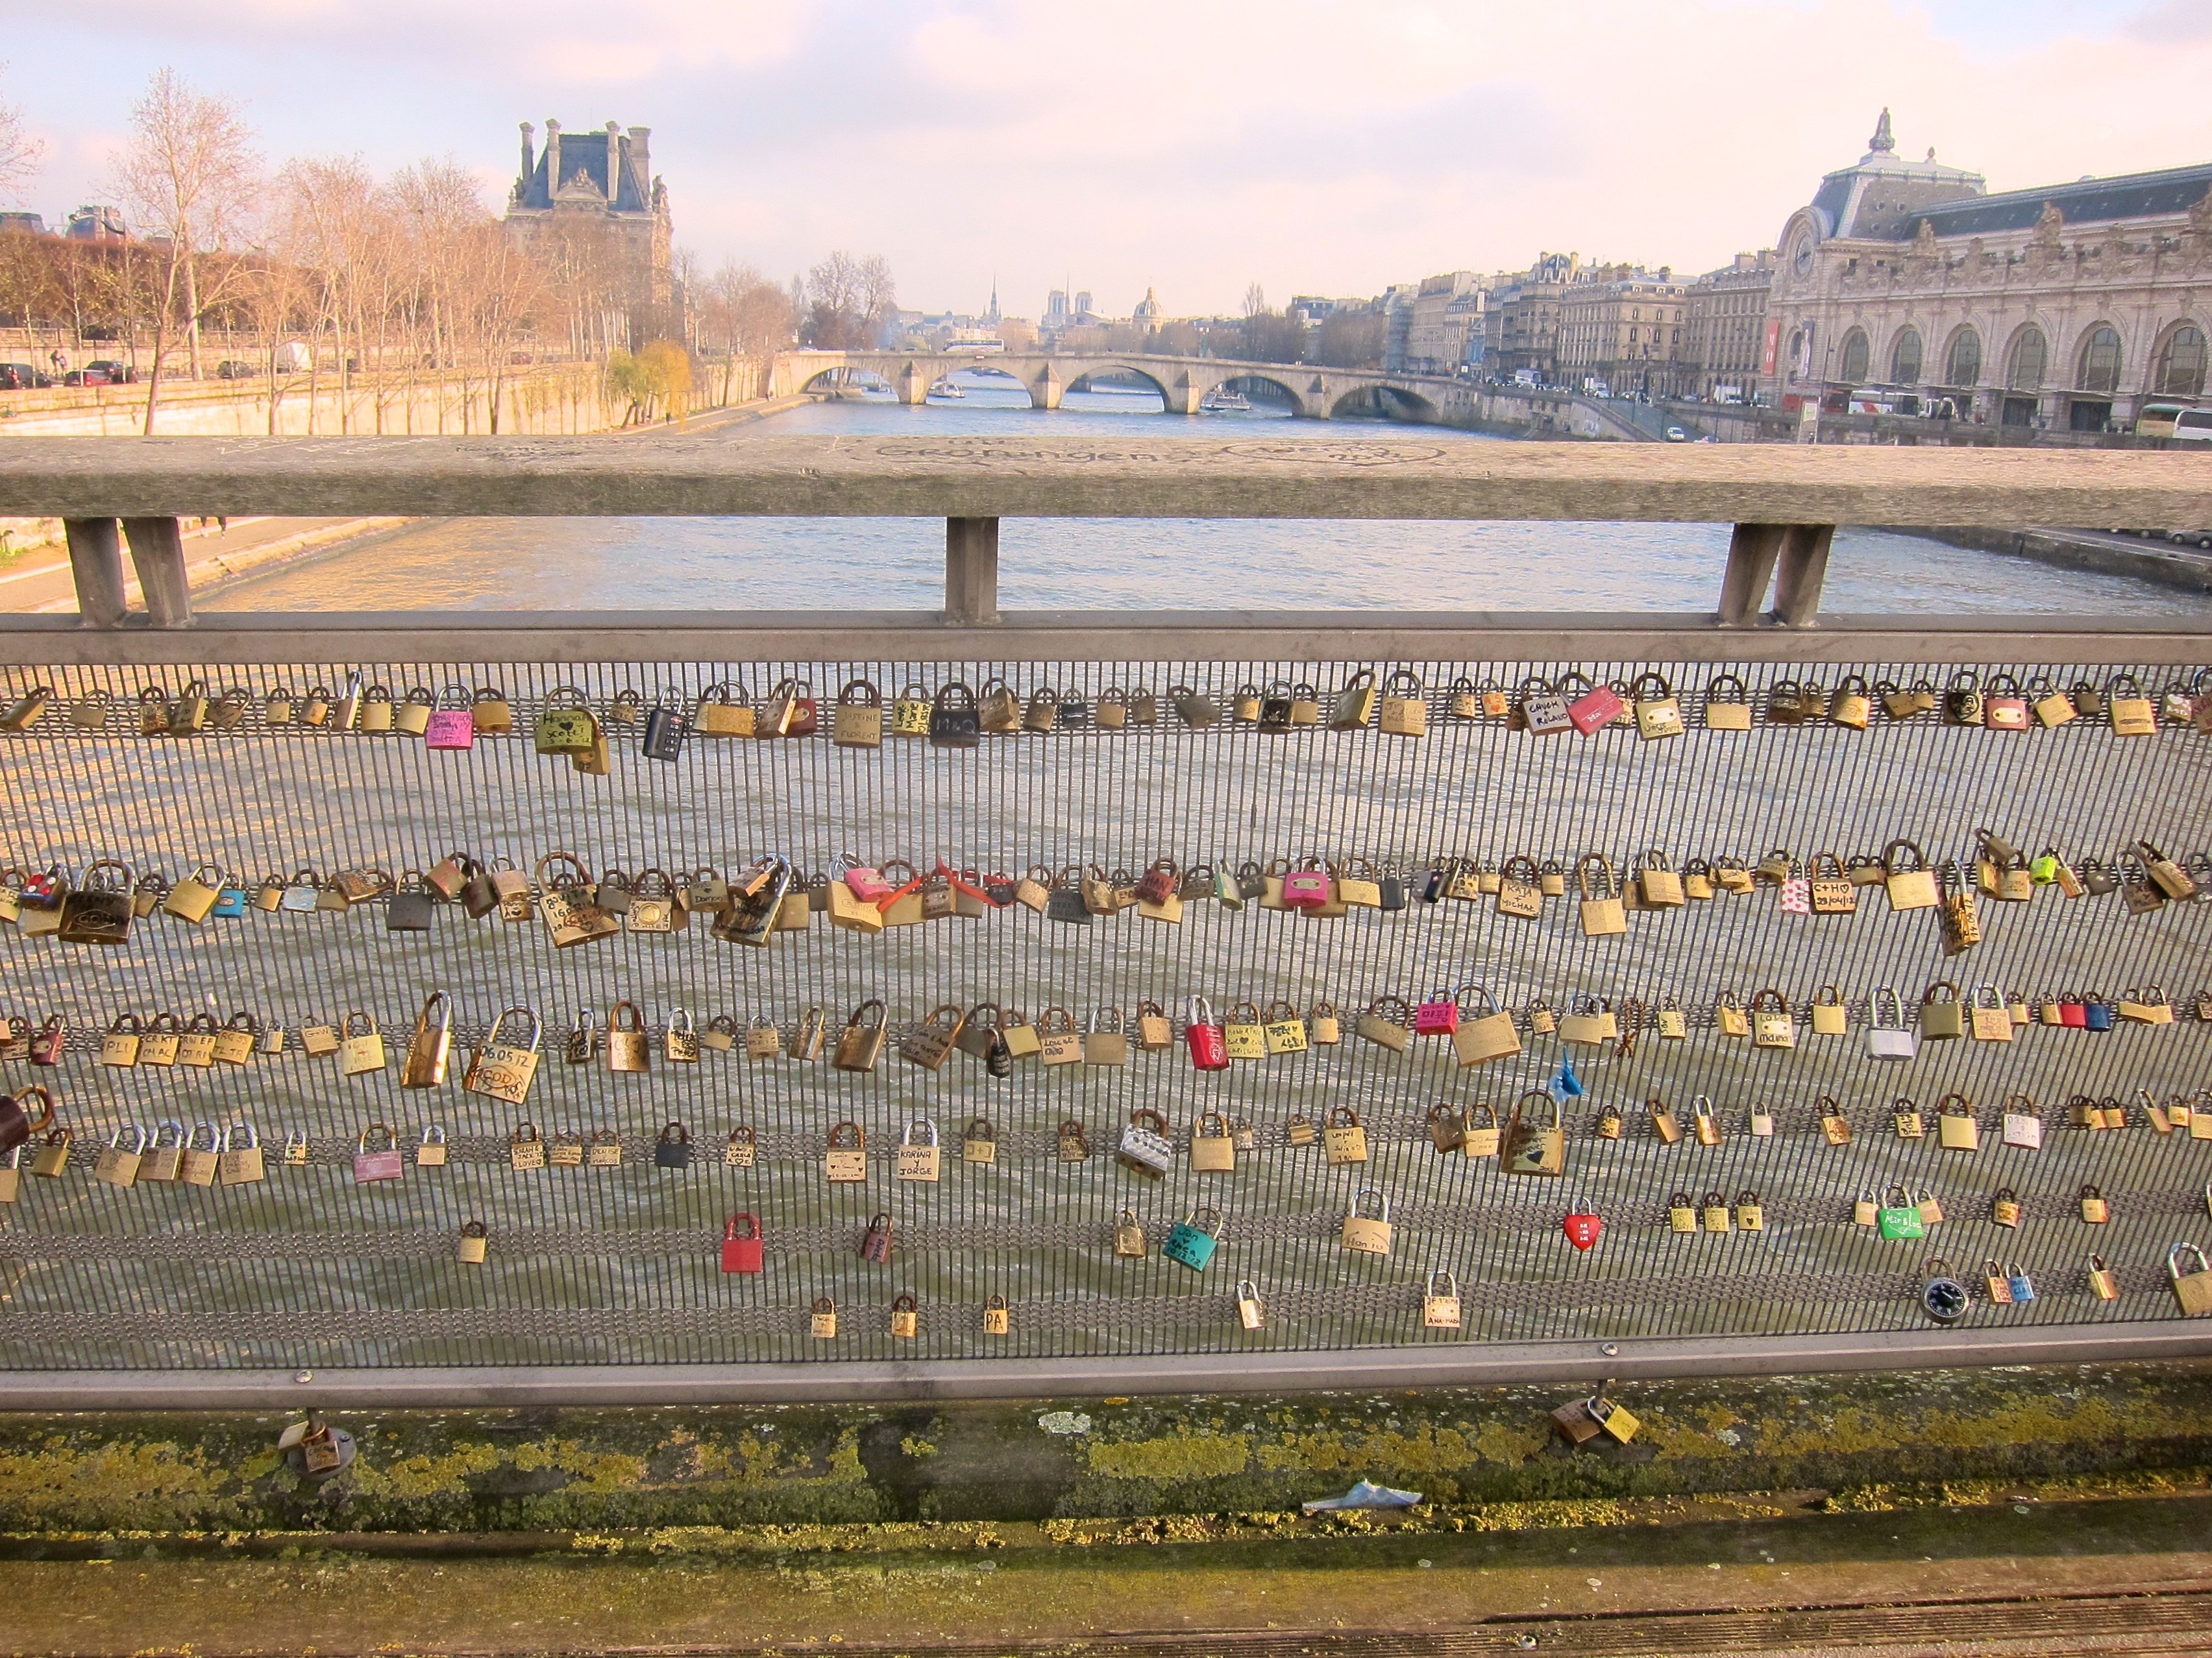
(621, 1261)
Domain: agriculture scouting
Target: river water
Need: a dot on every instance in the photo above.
(737, 563)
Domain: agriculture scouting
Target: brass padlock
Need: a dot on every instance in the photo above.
(1911, 885)
(1366, 1233)
(475, 1243)
(1532, 1147)
(2005, 1209)
(1343, 1138)
(906, 1316)
(860, 1044)
(997, 1318)
(1602, 912)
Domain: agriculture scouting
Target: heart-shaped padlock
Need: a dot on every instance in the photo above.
(1583, 1230)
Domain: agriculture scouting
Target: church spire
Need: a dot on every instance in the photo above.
(1881, 143)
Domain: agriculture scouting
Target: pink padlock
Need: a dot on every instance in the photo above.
(1596, 708)
(1306, 887)
(868, 885)
(1436, 1017)
(452, 725)
(385, 1163)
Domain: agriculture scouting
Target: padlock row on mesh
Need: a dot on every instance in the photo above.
(772, 895)
(954, 715)
(1478, 1028)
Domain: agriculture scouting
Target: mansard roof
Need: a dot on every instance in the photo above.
(585, 152)
(2090, 201)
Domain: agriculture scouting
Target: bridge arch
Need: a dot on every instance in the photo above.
(1258, 377)
(1380, 400)
(842, 377)
(1093, 370)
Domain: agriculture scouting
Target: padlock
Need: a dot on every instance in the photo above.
(1656, 884)
(1483, 1031)
(1532, 1147)
(24, 711)
(860, 1044)
(386, 1162)
(1772, 1023)
(906, 1317)
(1997, 1282)
(2192, 1290)
(1900, 1217)
(2169, 877)
(360, 1050)
(1835, 1126)
(2095, 1211)
(1071, 1142)
(118, 1164)
(1192, 1241)
(1106, 1043)
(1960, 919)
(1905, 1117)
(428, 1053)
(567, 1151)
(2005, 1208)
(1942, 1015)
(791, 710)
(741, 1149)
(239, 1162)
(1911, 885)
(2004, 709)
(1447, 1126)
(2130, 710)
(920, 1158)
(1956, 1129)
(1144, 1148)
(1602, 912)
(857, 720)
(876, 1241)
(1590, 708)
(1591, 1023)
(1405, 705)
(1681, 1215)
(626, 1046)
(2023, 1124)
(1716, 1214)
(930, 1043)
(1988, 1018)
(1344, 1139)
(1541, 711)
(822, 1319)
(2102, 1283)
(1129, 1236)
(1366, 1233)
(845, 1159)
(1520, 888)
(500, 1070)
(1355, 703)
(997, 1318)
(379, 714)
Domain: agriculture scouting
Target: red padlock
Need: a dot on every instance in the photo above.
(47, 1046)
(1158, 885)
(1209, 1049)
(2073, 1013)
(1583, 1230)
(1306, 887)
(741, 1254)
(875, 1241)
(1436, 1017)
(1594, 709)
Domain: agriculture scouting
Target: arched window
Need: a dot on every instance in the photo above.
(2101, 361)
(2181, 363)
(1964, 368)
(2030, 353)
(1855, 357)
(1904, 359)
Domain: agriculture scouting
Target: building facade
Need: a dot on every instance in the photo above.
(1621, 327)
(1443, 323)
(1729, 348)
(2066, 308)
(1520, 321)
(597, 189)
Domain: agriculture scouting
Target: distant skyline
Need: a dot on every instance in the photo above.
(1313, 146)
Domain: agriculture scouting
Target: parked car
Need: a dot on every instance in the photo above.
(2190, 537)
(1676, 434)
(233, 369)
(22, 377)
(117, 373)
(85, 377)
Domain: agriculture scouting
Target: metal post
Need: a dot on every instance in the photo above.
(157, 549)
(1752, 552)
(1803, 569)
(96, 561)
(971, 570)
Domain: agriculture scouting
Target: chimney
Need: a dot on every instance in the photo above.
(552, 156)
(529, 166)
(614, 161)
(641, 142)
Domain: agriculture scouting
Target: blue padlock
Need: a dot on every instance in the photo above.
(2096, 1014)
(1189, 1243)
(2023, 1288)
(229, 902)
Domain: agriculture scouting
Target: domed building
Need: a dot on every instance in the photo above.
(2067, 306)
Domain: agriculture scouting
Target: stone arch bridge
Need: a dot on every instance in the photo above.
(1183, 383)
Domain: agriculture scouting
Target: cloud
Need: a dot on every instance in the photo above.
(1330, 146)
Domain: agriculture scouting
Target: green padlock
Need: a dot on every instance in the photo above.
(1189, 1241)
(1900, 1217)
(565, 728)
(2045, 869)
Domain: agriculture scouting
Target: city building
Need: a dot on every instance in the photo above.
(1905, 285)
(1620, 329)
(1147, 314)
(95, 223)
(1520, 321)
(1443, 323)
(596, 189)
(1729, 347)
(23, 224)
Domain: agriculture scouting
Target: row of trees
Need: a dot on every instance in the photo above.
(317, 271)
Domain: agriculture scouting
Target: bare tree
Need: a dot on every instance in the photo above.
(20, 153)
(848, 301)
(188, 176)
(1255, 302)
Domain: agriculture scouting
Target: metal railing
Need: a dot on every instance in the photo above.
(605, 1281)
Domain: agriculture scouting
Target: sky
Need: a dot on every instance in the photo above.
(1191, 147)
